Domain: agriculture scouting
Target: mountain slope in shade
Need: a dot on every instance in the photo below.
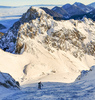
(2, 27)
(90, 15)
(7, 81)
(52, 13)
(61, 11)
(66, 6)
(74, 10)
(82, 6)
(92, 5)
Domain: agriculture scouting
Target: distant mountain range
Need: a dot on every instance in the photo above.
(46, 5)
(6, 6)
(39, 5)
(75, 11)
(61, 11)
(83, 7)
(65, 12)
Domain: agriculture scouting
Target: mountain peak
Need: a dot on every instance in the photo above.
(56, 7)
(33, 13)
(82, 7)
(61, 11)
(66, 6)
(78, 3)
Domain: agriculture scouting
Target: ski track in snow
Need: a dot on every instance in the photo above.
(80, 90)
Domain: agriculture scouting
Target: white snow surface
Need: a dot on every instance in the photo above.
(56, 71)
(79, 90)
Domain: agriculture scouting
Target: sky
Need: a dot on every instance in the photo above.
(33, 2)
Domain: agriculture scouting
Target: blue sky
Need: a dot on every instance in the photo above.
(31, 2)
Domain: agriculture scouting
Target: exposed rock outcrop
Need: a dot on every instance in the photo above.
(7, 81)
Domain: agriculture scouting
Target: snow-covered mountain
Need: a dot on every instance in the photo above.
(78, 10)
(86, 74)
(8, 42)
(48, 48)
(49, 51)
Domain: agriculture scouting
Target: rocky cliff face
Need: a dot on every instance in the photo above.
(8, 41)
(74, 36)
(29, 30)
(35, 25)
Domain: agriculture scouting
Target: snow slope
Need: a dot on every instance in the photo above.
(83, 89)
(44, 65)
